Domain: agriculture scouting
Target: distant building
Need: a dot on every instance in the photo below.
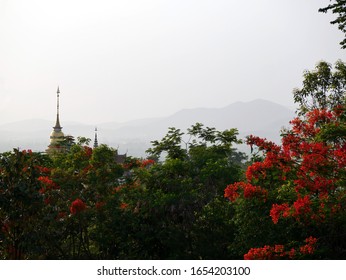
(120, 159)
(96, 143)
(57, 136)
(61, 143)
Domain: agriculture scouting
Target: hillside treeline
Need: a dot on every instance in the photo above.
(194, 197)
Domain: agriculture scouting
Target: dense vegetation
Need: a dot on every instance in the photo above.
(203, 201)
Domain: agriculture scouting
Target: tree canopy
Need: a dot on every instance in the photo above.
(338, 7)
(322, 88)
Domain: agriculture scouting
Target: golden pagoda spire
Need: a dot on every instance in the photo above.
(57, 126)
(57, 136)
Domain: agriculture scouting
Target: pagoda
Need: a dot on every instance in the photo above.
(96, 143)
(57, 136)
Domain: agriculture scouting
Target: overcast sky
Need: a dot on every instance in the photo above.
(118, 60)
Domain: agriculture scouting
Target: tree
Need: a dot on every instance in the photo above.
(163, 209)
(296, 191)
(322, 88)
(81, 204)
(338, 7)
(22, 204)
(87, 178)
(51, 206)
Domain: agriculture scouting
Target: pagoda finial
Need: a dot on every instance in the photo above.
(57, 123)
(57, 137)
(96, 144)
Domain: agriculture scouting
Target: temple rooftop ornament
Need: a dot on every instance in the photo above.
(57, 136)
(96, 143)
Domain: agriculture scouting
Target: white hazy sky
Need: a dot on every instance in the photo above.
(118, 60)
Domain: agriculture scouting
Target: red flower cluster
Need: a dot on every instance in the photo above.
(27, 152)
(42, 169)
(313, 168)
(279, 210)
(309, 248)
(132, 164)
(262, 144)
(231, 192)
(278, 251)
(47, 184)
(249, 191)
(302, 206)
(306, 174)
(265, 253)
(147, 162)
(77, 206)
(276, 157)
(254, 191)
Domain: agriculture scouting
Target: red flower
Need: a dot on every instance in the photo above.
(255, 170)
(279, 248)
(279, 210)
(265, 253)
(231, 192)
(27, 151)
(147, 162)
(124, 205)
(42, 169)
(302, 205)
(47, 183)
(309, 248)
(292, 253)
(253, 191)
(77, 206)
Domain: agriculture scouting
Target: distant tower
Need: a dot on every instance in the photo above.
(57, 136)
(96, 143)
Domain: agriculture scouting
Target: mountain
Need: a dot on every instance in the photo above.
(258, 117)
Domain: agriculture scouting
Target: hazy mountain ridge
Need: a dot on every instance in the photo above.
(258, 117)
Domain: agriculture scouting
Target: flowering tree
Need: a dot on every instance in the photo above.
(22, 203)
(299, 187)
(49, 206)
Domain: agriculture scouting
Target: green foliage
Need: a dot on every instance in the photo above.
(213, 231)
(292, 203)
(186, 189)
(338, 7)
(171, 144)
(81, 204)
(322, 88)
(21, 204)
(198, 136)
